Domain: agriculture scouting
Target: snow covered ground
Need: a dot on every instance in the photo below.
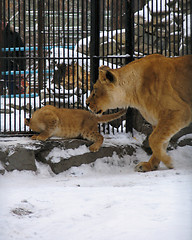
(101, 201)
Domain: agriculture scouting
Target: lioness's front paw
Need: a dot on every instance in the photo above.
(144, 167)
(169, 164)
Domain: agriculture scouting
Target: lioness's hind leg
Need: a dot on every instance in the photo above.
(159, 139)
(159, 154)
(151, 165)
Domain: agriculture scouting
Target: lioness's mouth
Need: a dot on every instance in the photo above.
(99, 112)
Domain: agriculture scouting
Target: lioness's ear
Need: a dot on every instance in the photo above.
(110, 76)
(105, 73)
(104, 68)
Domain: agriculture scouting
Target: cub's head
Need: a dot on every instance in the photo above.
(34, 126)
(27, 121)
(60, 73)
(103, 95)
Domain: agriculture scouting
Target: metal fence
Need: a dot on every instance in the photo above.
(50, 50)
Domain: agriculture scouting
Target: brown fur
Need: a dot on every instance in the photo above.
(69, 123)
(160, 88)
(71, 76)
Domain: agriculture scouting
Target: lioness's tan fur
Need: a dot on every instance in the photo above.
(69, 123)
(160, 88)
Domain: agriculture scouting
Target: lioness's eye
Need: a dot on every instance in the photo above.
(94, 91)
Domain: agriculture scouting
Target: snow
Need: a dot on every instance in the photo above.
(5, 119)
(56, 154)
(187, 25)
(103, 200)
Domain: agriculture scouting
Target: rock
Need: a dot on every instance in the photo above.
(69, 153)
(67, 162)
(141, 125)
(2, 171)
(182, 132)
(21, 159)
(89, 157)
(62, 154)
(185, 142)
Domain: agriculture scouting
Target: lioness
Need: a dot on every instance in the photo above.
(160, 88)
(69, 123)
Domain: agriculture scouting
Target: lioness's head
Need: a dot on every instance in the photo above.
(104, 90)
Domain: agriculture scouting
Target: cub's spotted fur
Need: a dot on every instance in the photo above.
(69, 123)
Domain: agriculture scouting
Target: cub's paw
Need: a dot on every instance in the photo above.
(41, 138)
(94, 148)
(34, 137)
(144, 167)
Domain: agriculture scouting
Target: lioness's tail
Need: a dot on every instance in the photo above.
(110, 117)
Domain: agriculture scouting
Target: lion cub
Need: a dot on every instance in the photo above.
(69, 123)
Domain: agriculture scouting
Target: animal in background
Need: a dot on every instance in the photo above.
(72, 75)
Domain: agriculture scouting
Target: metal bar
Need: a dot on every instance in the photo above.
(59, 33)
(14, 83)
(95, 24)
(34, 44)
(1, 60)
(87, 43)
(73, 42)
(68, 23)
(129, 33)
(77, 63)
(64, 42)
(24, 77)
(190, 41)
(44, 54)
(48, 39)
(54, 45)
(1, 46)
(169, 21)
(40, 44)
(83, 21)
(62, 24)
(30, 53)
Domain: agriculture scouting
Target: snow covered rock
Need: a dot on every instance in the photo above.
(22, 153)
(59, 154)
(18, 159)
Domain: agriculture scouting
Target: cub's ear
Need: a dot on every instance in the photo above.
(27, 120)
(106, 73)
